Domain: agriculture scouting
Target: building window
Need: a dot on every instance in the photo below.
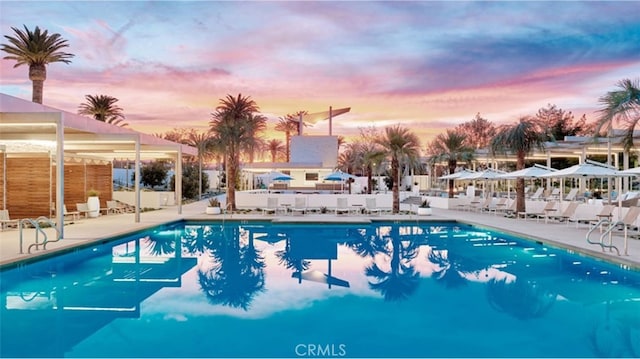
(311, 176)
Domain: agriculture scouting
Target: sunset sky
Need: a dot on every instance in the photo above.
(427, 65)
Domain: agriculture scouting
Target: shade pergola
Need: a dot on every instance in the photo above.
(27, 127)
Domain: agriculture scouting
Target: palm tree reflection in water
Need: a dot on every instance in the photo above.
(402, 279)
(237, 274)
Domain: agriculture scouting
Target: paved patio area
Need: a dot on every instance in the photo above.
(92, 230)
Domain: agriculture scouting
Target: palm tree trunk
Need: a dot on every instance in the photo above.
(452, 169)
(395, 189)
(37, 75)
(520, 200)
(369, 179)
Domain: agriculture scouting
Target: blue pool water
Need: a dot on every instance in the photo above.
(256, 289)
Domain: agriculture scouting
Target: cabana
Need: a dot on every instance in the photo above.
(51, 156)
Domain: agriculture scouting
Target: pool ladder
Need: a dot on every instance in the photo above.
(35, 222)
(601, 243)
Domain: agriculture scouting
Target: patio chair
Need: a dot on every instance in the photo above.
(371, 207)
(74, 215)
(498, 206)
(566, 214)
(6, 221)
(342, 206)
(571, 196)
(83, 209)
(299, 206)
(549, 207)
(272, 206)
(601, 218)
(537, 195)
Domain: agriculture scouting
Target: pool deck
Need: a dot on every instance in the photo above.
(90, 230)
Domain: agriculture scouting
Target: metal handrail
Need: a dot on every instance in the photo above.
(36, 225)
(608, 231)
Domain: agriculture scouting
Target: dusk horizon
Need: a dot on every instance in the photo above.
(425, 65)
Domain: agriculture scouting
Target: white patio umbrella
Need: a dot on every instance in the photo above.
(529, 172)
(589, 169)
(457, 175)
(488, 174)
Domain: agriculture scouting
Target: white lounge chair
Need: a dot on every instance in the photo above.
(342, 206)
(299, 206)
(371, 207)
(548, 208)
(566, 214)
(83, 209)
(272, 206)
(6, 221)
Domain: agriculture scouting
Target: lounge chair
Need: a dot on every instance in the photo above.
(272, 206)
(299, 206)
(83, 209)
(74, 215)
(566, 214)
(600, 219)
(342, 206)
(6, 221)
(113, 207)
(500, 205)
(537, 195)
(628, 222)
(571, 196)
(549, 207)
(371, 207)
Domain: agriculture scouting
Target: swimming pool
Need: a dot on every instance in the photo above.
(260, 289)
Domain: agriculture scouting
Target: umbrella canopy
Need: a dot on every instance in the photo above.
(275, 176)
(456, 175)
(338, 176)
(630, 172)
(486, 174)
(583, 170)
(529, 172)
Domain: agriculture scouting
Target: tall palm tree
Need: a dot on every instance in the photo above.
(520, 138)
(288, 125)
(622, 105)
(400, 145)
(103, 108)
(36, 49)
(257, 124)
(275, 147)
(451, 147)
(235, 126)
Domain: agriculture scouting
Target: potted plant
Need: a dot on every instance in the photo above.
(213, 207)
(93, 203)
(425, 208)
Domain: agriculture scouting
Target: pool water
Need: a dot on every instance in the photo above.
(257, 289)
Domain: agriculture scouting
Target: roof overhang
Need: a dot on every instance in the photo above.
(26, 126)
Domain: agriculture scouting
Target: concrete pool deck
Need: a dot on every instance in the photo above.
(88, 230)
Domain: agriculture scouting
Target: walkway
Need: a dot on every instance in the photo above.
(91, 230)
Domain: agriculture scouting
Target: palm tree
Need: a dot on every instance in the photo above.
(199, 140)
(288, 125)
(275, 147)
(36, 49)
(520, 138)
(236, 127)
(622, 105)
(400, 145)
(103, 108)
(451, 147)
